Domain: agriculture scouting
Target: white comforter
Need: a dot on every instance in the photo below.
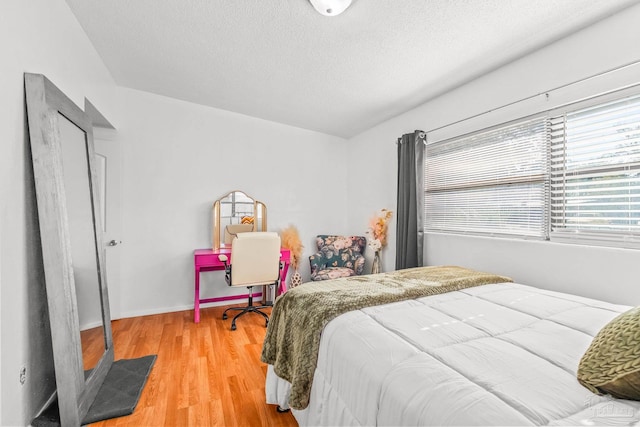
(502, 354)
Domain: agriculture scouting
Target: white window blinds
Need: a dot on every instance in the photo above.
(595, 172)
(493, 182)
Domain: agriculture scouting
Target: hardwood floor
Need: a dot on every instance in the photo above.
(205, 374)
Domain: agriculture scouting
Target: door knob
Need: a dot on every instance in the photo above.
(115, 242)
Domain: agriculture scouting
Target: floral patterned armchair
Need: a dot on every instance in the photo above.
(338, 256)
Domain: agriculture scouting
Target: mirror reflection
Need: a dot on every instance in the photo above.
(234, 213)
(84, 251)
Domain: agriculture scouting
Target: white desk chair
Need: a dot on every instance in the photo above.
(255, 261)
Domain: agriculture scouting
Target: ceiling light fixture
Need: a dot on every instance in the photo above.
(330, 7)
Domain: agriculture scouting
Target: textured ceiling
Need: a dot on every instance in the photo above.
(280, 60)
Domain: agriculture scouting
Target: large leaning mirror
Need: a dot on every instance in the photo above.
(61, 138)
(234, 213)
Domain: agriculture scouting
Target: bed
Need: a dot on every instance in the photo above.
(489, 354)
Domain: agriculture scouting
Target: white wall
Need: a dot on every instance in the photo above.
(610, 274)
(39, 36)
(179, 157)
(604, 273)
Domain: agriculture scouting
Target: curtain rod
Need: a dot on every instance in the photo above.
(424, 141)
(545, 93)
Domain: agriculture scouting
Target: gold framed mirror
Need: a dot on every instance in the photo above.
(234, 213)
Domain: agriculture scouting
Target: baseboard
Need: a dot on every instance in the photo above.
(150, 312)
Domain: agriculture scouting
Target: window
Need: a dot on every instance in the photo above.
(573, 175)
(595, 172)
(493, 181)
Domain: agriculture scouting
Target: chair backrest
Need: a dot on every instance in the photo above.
(334, 246)
(255, 258)
(232, 230)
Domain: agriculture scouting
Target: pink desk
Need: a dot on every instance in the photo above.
(207, 260)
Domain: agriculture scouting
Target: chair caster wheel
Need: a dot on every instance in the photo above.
(233, 327)
(282, 411)
(224, 316)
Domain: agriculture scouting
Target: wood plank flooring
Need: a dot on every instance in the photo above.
(205, 374)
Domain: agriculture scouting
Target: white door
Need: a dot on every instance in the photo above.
(108, 156)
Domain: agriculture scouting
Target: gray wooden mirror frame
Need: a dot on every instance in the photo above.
(46, 107)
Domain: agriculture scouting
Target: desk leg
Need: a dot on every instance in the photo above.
(283, 279)
(196, 302)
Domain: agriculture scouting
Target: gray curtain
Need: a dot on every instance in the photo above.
(409, 228)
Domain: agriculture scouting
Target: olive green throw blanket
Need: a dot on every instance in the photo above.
(298, 317)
